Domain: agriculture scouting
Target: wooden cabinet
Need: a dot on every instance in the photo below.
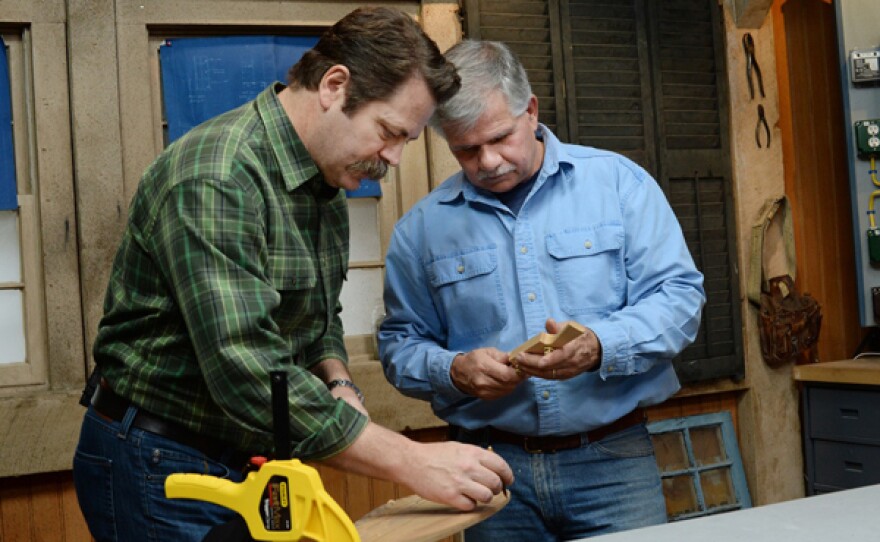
(841, 424)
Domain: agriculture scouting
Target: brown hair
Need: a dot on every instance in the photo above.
(382, 48)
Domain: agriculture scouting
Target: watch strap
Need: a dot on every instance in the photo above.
(341, 382)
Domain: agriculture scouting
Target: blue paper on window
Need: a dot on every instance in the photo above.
(369, 189)
(204, 77)
(8, 192)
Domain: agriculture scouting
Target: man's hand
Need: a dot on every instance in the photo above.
(578, 356)
(456, 474)
(484, 373)
(451, 473)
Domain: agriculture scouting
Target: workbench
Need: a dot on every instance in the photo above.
(849, 515)
(840, 402)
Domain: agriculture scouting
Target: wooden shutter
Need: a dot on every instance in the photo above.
(691, 99)
(610, 78)
(644, 78)
(528, 27)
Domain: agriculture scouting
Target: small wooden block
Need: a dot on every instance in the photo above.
(546, 342)
(414, 519)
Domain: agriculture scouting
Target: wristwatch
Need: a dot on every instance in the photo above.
(346, 384)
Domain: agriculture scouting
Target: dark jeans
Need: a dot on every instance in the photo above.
(119, 473)
(602, 487)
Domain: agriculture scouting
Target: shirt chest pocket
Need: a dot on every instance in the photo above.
(588, 269)
(291, 269)
(467, 288)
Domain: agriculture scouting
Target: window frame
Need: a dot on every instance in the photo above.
(733, 461)
(46, 217)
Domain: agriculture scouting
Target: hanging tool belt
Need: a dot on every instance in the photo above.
(789, 321)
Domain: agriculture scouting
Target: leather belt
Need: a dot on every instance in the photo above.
(110, 405)
(551, 444)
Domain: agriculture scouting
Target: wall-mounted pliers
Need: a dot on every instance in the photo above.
(762, 122)
(752, 65)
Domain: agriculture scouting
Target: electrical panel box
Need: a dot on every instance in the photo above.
(858, 36)
(865, 66)
(868, 138)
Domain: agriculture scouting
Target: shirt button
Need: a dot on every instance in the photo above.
(532, 297)
(546, 395)
(588, 245)
(523, 250)
(461, 269)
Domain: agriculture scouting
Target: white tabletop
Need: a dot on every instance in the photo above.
(851, 516)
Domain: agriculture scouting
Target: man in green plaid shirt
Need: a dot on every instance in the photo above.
(231, 267)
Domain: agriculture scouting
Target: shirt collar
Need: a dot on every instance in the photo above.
(554, 155)
(296, 165)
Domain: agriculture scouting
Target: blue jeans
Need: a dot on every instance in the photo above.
(119, 472)
(602, 487)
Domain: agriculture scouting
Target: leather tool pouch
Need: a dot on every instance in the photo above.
(789, 321)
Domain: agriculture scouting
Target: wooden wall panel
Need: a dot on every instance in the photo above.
(679, 407)
(15, 516)
(816, 174)
(41, 508)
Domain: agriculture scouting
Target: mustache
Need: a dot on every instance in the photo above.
(503, 170)
(370, 169)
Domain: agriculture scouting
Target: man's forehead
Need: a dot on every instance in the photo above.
(487, 129)
(407, 111)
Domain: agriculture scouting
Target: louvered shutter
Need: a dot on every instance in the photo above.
(646, 79)
(610, 78)
(690, 92)
(528, 27)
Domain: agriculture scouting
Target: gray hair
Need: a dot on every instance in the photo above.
(484, 67)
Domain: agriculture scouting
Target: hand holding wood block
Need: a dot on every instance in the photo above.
(543, 343)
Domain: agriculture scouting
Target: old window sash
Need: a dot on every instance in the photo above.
(22, 309)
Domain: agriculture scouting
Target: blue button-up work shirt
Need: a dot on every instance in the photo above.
(595, 241)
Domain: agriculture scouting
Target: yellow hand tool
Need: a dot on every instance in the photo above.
(281, 500)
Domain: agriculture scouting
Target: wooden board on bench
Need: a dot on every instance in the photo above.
(414, 519)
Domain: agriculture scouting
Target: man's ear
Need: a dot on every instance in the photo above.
(532, 110)
(333, 86)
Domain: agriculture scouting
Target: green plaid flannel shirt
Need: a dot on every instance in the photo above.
(230, 267)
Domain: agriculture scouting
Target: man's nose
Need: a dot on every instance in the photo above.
(489, 158)
(391, 153)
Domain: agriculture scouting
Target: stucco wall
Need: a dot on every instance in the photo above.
(769, 438)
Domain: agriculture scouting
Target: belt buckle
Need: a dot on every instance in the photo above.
(530, 449)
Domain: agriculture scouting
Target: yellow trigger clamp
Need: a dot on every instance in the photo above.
(282, 500)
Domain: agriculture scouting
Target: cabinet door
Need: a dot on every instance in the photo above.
(844, 465)
(848, 415)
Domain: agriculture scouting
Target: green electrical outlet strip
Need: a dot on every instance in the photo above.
(874, 246)
(868, 138)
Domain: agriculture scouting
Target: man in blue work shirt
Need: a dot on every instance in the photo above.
(530, 234)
